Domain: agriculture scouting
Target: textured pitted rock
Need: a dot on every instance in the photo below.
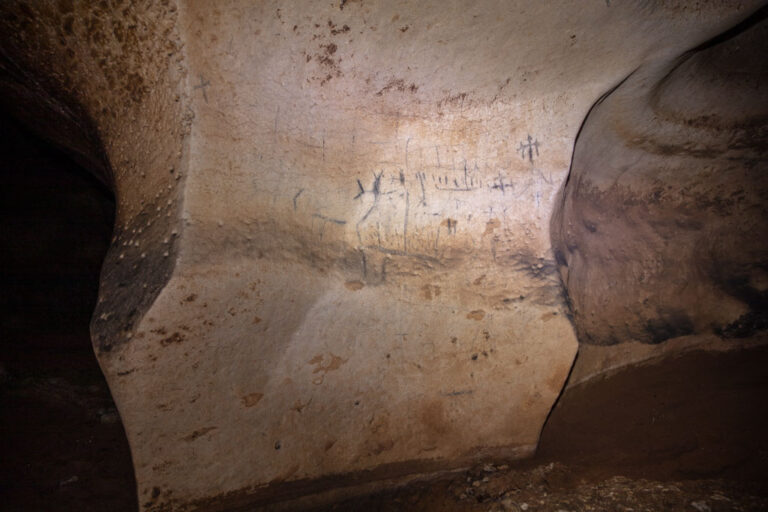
(362, 284)
(104, 80)
(662, 228)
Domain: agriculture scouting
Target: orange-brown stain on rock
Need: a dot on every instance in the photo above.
(251, 399)
(256, 320)
(197, 433)
(428, 291)
(490, 226)
(546, 317)
(383, 446)
(173, 338)
(432, 415)
(477, 314)
(334, 363)
(555, 381)
(344, 3)
(450, 224)
(299, 406)
(532, 400)
(354, 285)
(163, 466)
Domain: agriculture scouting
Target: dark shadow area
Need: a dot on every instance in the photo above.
(63, 446)
(691, 416)
(684, 434)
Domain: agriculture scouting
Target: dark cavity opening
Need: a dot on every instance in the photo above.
(61, 438)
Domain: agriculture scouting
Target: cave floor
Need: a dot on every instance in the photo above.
(688, 433)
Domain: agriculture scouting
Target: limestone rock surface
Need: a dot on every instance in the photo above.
(662, 228)
(332, 261)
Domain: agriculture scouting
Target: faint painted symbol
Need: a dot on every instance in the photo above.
(500, 184)
(465, 183)
(202, 85)
(529, 147)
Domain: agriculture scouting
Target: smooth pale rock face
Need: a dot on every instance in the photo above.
(362, 285)
(661, 232)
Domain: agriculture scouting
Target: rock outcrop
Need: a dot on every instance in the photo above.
(662, 229)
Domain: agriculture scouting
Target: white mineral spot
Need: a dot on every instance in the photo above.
(69, 480)
(701, 506)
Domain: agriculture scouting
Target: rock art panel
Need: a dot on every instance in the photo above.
(333, 261)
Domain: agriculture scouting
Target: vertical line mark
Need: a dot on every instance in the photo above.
(296, 197)
(274, 129)
(405, 224)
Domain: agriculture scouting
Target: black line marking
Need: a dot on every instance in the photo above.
(529, 147)
(296, 197)
(377, 183)
(203, 85)
(500, 185)
(376, 193)
(459, 393)
(329, 219)
(274, 128)
(421, 176)
(405, 224)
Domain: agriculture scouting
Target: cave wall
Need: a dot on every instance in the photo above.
(103, 81)
(661, 231)
(332, 261)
